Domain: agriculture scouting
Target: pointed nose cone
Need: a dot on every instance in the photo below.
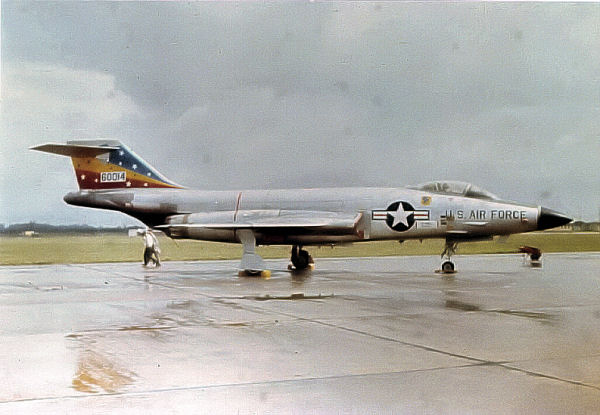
(549, 218)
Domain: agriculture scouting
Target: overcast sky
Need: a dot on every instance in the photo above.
(234, 96)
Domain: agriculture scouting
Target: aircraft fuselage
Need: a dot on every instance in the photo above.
(386, 213)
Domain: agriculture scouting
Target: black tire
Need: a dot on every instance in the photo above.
(448, 266)
(301, 260)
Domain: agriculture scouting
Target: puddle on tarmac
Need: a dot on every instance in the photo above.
(50, 288)
(300, 277)
(95, 373)
(230, 304)
(182, 305)
(41, 287)
(296, 296)
(143, 328)
(546, 317)
(225, 325)
(459, 305)
(171, 320)
(535, 315)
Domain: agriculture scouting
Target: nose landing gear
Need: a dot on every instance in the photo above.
(447, 266)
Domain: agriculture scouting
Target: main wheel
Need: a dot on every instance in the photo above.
(448, 266)
(301, 260)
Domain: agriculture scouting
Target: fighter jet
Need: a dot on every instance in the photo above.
(111, 176)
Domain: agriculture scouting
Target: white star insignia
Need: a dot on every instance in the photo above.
(400, 216)
(128, 184)
(149, 174)
(121, 153)
(134, 166)
(95, 180)
(83, 177)
(120, 163)
(145, 184)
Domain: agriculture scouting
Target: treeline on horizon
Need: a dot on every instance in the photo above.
(44, 228)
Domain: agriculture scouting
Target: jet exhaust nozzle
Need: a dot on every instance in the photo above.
(549, 219)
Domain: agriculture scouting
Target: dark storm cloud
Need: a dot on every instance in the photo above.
(311, 94)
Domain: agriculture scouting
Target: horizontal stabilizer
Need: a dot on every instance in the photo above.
(74, 150)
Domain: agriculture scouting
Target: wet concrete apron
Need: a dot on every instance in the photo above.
(358, 335)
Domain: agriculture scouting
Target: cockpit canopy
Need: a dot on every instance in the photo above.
(456, 188)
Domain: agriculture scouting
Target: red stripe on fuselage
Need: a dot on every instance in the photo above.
(91, 180)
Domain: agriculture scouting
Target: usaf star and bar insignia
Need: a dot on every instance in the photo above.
(400, 216)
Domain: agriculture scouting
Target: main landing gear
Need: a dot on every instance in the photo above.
(449, 250)
(252, 264)
(301, 259)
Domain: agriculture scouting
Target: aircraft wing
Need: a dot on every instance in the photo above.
(267, 221)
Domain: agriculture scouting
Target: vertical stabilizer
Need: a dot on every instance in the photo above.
(108, 164)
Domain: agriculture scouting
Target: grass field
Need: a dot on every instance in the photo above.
(71, 249)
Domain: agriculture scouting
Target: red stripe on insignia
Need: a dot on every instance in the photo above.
(380, 215)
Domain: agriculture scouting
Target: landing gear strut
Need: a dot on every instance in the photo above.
(301, 259)
(449, 250)
(252, 264)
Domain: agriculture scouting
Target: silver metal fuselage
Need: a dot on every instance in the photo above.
(431, 215)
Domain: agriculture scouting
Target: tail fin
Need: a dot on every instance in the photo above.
(107, 164)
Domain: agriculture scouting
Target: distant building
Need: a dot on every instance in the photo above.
(577, 226)
(585, 226)
(30, 234)
(133, 233)
(564, 228)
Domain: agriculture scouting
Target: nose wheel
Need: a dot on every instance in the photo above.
(448, 267)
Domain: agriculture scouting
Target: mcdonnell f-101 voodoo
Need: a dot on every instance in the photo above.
(111, 176)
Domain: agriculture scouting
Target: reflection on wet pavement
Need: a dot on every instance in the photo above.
(535, 315)
(459, 305)
(541, 316)
(355, 335)
(294, 296)
(96, 373)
